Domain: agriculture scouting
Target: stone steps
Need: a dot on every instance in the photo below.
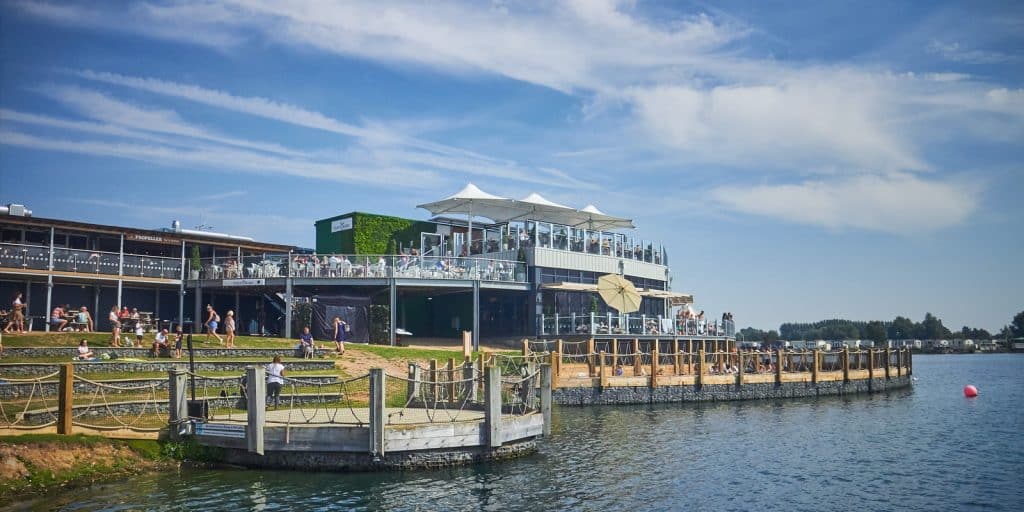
(21, 370)
(16, 390)
(142, 352)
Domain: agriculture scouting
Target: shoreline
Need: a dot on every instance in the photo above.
(34, 465)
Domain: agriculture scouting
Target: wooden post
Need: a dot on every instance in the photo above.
(742, 367)
(689, 356)
(615, 354)
(545, 397)
(603, 378)
(676, 364)
(526, 347)
(377, 387)
(888, 360)
(256, 389)
(451, 380)
(636, 357)
(559, 348)
(590, 357)
(778, 367)
(654, 366)
(66, 399)
(910, 361)
(846, 364)
(177, 407)
(413, 386)
(700, 368)
(815, 365)
(871, 364)
(433, 379)
(554, 370)
(469, 386)
(899, 362)
(492, 405)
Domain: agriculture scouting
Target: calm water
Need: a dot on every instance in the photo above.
(923, 449)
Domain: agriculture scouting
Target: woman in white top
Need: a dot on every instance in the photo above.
(115, 327)
(275, 379)
(83, 350)
(229, 329)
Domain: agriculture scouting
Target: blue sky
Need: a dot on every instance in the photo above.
(801, 161)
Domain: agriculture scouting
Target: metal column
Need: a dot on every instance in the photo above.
(181, 289)
(476, 315)
(288, 306)
(197, 319)
(49, 283)
(393, 310)
(120, 272)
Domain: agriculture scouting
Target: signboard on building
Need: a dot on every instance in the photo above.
(341, 225)
(245, 282)
(220, 430)
(150, 238)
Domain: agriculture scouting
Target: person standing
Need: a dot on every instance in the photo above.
(339, 334)
(17, 315)
(115, 327)
(275, 380)
(178, 336)
(212, 320)
(229, 329)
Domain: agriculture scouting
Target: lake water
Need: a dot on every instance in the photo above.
(927, 448)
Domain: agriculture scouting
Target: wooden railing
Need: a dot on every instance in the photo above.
(656, 363)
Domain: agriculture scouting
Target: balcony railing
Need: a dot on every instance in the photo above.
(610, 323)
(37, 257)
(326, 266)
(530, 234)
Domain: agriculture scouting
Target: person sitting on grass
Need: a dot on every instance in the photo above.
(84, 353)
(160, 342)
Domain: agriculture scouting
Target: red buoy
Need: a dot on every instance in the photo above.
(970, 391)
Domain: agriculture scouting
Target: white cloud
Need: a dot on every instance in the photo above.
(375, 139)
(225, 158)
(838, 120)
(200, 23)
(119, 113)
(900, 203)
(957, 53)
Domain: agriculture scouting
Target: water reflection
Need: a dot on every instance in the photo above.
(921, 449)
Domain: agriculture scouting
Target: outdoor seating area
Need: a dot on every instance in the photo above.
(322, 266)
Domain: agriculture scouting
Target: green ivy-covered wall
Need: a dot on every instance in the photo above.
(370, 234)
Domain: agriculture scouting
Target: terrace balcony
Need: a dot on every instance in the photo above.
(361, 266)
(39, 259)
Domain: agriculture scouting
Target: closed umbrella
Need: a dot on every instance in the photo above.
(618, 293)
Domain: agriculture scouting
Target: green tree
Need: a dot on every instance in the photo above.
(900, 328)
(875, 332)
(1017, 326)
(771, 337)
(932, 328)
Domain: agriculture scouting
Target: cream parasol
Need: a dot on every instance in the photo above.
(618, 293)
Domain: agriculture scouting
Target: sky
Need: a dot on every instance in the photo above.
(799, 160)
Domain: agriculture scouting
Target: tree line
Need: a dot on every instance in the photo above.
(879, 330)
